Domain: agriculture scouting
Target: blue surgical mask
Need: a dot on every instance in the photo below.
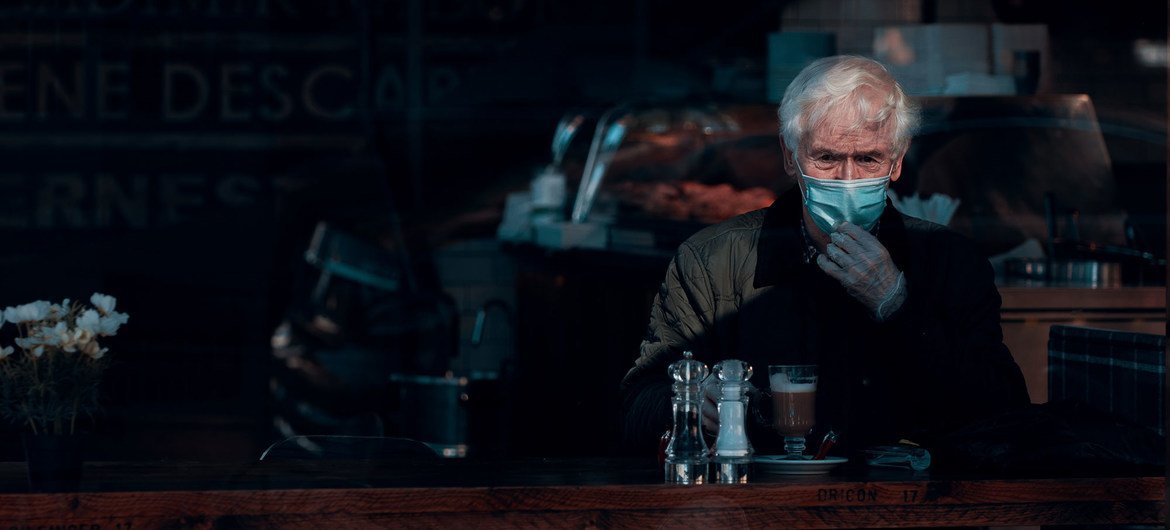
(830, 201)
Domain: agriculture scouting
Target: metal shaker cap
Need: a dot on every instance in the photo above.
(688, 370)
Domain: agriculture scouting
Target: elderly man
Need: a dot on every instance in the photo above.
(900, 315)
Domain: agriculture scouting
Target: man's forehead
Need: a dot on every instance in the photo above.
(852, 123)
(840, 138)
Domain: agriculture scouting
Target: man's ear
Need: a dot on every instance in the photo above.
(789, 165)
(896, 171)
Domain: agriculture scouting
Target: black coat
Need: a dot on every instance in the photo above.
(743, 290)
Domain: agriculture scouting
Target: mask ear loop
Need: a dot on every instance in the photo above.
(800, 176)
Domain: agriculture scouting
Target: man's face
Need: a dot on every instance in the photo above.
(836, 151)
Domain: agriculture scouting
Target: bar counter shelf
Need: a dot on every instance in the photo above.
(561, 493)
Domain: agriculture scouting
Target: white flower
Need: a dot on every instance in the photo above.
(61, 310)
(108, 325)
(85, 335)
(73, 338)
(64, 327)
(104, 303)
(88, 321)
(57, 335)
(28, 312)
(92, 349)
(81, 340)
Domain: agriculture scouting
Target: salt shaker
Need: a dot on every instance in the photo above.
(686, 455)
(733, 451)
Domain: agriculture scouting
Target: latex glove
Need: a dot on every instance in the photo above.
(858, 260)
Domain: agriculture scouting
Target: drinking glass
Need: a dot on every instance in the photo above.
(794, 405)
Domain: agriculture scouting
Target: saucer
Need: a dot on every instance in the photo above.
(779, 465)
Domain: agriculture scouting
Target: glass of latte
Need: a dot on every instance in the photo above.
(794, 404)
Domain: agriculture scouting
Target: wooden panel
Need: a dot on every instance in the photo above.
(727, 517)
(823, 503)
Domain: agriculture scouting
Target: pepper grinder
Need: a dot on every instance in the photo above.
(733, 451)
(686, 455)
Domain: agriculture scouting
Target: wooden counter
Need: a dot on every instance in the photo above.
(1079, 299)
(556, 493)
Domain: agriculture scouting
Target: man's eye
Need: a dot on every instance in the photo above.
(825, 158)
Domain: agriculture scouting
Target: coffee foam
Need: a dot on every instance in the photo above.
(780, 383)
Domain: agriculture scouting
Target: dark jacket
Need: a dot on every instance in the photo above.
(742, 290)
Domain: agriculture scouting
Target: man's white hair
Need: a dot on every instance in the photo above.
(859, 87)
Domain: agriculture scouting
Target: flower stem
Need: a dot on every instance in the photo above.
(40, 390)
(73, 417)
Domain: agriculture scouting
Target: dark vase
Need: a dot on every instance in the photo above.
(54, 462)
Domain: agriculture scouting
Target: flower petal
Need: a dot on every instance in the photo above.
(28, 312)
(104, 303)
(109, 324)
(89, 321)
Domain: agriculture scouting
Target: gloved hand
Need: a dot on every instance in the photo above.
(858, 260)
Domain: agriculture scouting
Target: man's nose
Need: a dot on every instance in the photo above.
(848, 171)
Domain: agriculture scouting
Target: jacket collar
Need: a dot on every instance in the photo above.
(780, 247)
